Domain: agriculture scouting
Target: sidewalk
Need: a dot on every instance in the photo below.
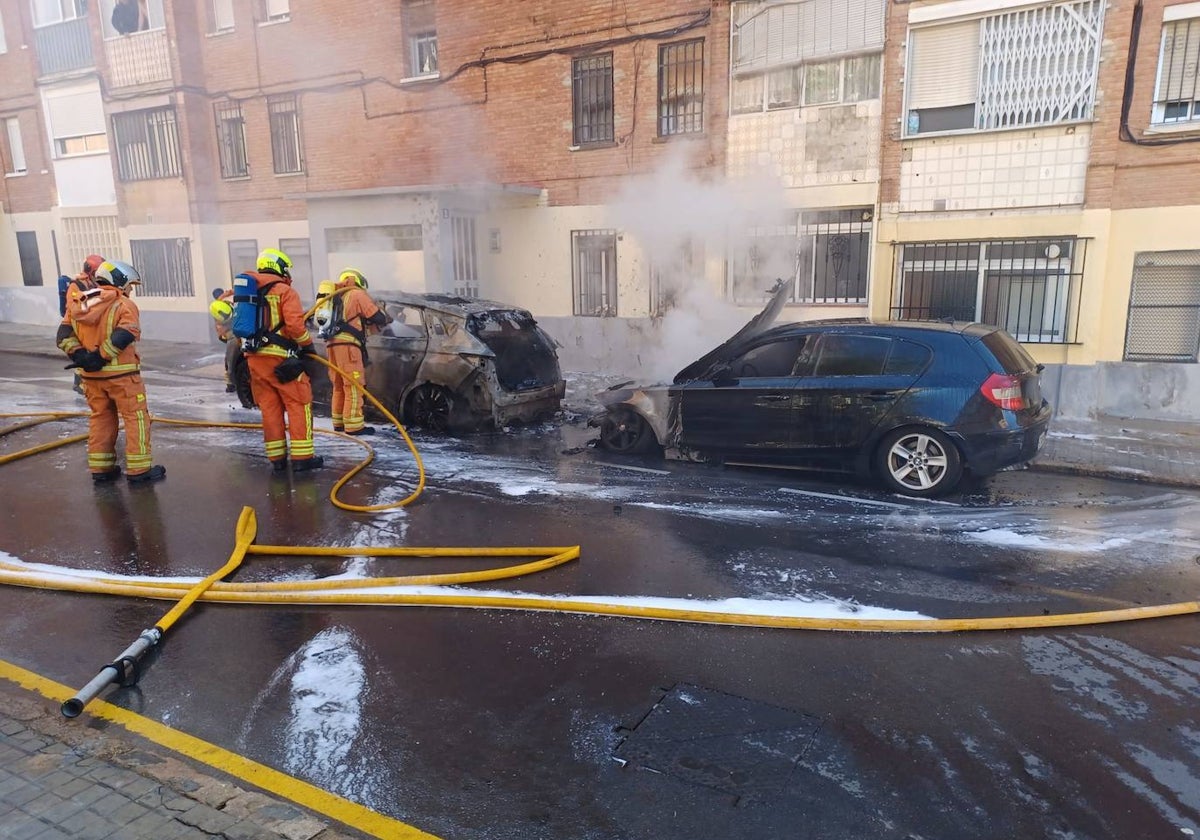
(61, 779)
(1161, 452)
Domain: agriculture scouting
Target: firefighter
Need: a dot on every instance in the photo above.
(221, 310)
(354, 316)
(70, 291)
(277, 377)
(98, 334)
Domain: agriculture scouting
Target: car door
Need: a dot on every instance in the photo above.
(746, 403)
(856, 380)
(396, 352)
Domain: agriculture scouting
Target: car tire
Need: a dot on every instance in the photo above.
(626, 432)
(431, 407)
(241, 383)
(919, 462)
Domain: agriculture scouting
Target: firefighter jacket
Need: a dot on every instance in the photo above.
(107, 321)
(360, 316)
(283, 316)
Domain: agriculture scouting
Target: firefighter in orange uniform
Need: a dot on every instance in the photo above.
(355, 315)
(84, 280)
(98, 334)
(277, 375)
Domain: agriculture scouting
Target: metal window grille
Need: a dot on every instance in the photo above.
(1177, 96)
(1038, 65)
(462, 258)
(284, 115)
(592, 99)
(594, 272)
(1164, 308)
(83, 235)
(833, 261)
(165, 266)
(1030, 287)
(681, 88)
(673, 272)
(231, 139)
(373, 239)
(147, 144)
(424, 49)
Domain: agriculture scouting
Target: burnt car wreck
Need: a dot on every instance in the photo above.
(916, 405)
(453, 364)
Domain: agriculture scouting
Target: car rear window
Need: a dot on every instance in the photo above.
(1011, 355)
(852, 355)
(907, 359)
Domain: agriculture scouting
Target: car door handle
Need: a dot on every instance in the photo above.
(881, 396)
(774, 398)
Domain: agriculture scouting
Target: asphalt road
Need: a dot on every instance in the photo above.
(489, 724)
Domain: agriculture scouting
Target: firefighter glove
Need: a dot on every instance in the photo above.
(289, 370)
(90, 360)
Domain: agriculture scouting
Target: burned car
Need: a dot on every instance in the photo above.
(448, 363)
(915, 404)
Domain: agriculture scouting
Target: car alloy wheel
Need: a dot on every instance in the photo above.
(919, 462)
(626, 432)
(431, 407)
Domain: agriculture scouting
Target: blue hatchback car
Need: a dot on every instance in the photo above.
(915, 404)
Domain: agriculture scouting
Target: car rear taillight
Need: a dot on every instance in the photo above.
(1004, 390)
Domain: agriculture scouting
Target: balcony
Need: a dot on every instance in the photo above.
(140, 58)
(64, 47)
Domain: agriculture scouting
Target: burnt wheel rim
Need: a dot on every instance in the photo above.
(918, 462)
(431, 409)
(622, 431)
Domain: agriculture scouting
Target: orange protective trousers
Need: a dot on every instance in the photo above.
(347, 398)
(108, 399)
(276, 399)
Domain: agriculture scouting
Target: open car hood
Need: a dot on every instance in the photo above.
(760, 323)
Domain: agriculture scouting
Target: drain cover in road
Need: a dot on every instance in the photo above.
(739, 746)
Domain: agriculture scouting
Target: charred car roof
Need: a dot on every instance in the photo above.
(450, 304)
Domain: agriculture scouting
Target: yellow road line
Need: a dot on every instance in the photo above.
(302, 793)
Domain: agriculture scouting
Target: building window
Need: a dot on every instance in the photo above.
(373, 239)
(592, 99)
(31, 260)
(48, 12)
(463, 260)
(220, 16)
(1177, 96)
(673, 272)
(827, 255)
(276, 10)
(165, 266)
(594, 272)
(76, 121)
(83, 235)
(137, 16)
(1029, 67)
(147, 144)
(1030, 287)
(681, 88)
(417, 19)
(300, 253)
(284, 115)
(16, 149)
(1164, 308)
(231, 139)
(842, 80)
(3, 43)
(243, 255)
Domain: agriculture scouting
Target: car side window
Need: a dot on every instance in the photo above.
(907, 359)
(852, 355)
(777, 358)
(406, 321)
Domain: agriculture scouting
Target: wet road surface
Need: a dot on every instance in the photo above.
(490, 724)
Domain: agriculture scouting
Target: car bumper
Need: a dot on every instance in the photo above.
(528, 406)
(989, 452)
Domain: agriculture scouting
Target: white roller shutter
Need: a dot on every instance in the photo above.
(76, 114)
(943, 66)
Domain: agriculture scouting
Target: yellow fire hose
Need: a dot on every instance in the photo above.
(124, 669)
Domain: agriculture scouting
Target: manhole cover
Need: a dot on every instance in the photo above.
(735, 745)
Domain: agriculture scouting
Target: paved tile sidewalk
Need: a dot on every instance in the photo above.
(94, 781)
